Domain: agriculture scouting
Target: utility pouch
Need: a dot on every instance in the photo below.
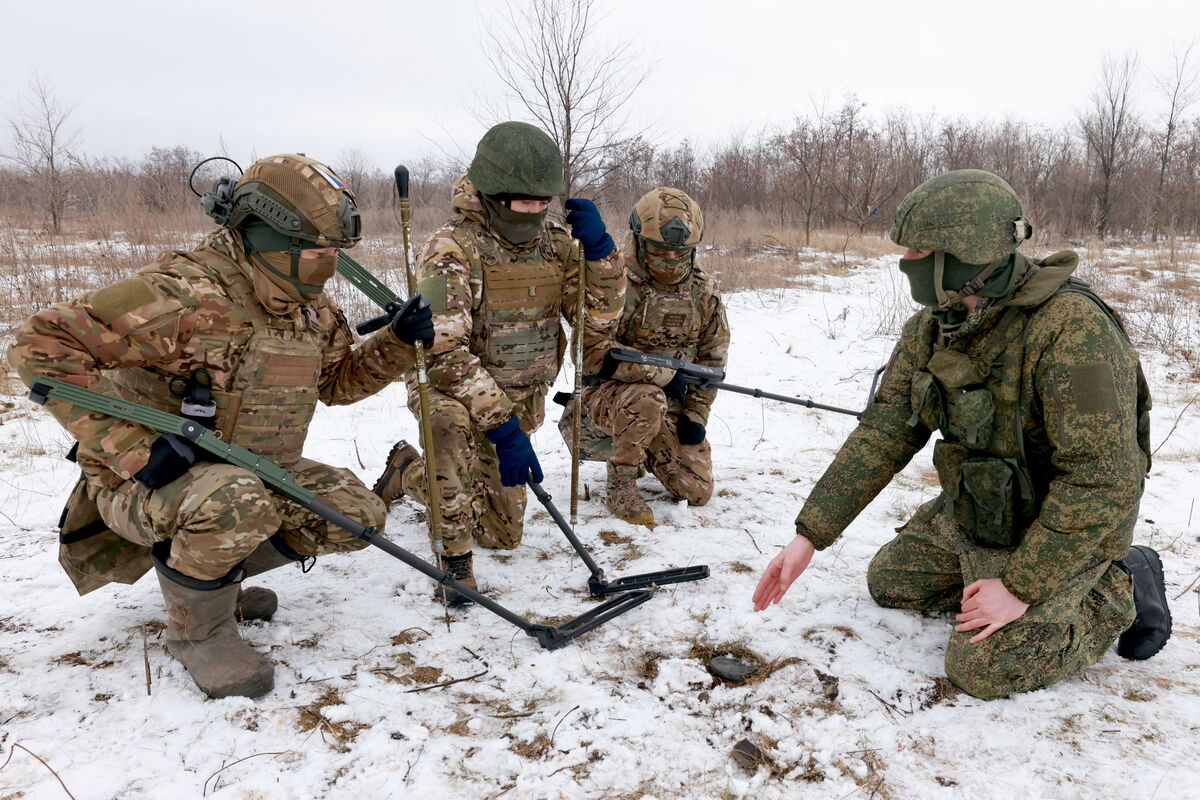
(972, 417)
(994, 505)
(89, 552)
(928, 405)
(948, 458)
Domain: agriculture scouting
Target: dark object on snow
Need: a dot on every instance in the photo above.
(750, 757)
(1152, 627)
(732, 668)
(829, 685)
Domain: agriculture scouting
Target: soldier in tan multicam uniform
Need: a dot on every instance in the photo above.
(1044, 418)
(241, 330)
(500, 277)
(638, 416)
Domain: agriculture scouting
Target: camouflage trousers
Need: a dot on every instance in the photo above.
(476, 507)
(643, 430)
(926, 567)
(217, 514)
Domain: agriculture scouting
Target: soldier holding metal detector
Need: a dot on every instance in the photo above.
(500, 278)
(238, 337)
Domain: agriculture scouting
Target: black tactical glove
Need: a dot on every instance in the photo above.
(689, 431)
(170, 458)
(414, 321)
(677, 388)
(609, 367)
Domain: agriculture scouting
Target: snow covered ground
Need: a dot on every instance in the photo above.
(627, 711)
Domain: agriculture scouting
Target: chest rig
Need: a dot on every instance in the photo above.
(663, 320)
(264, 371)
(516, 331)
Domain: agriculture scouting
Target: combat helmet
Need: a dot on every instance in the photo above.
(973, 223)
(516, 158)
(668, 218)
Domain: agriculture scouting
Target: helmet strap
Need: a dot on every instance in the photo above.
(947, 299)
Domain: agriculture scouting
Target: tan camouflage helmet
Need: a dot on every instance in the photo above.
(969, 213)
(668, 218)
(299, 198)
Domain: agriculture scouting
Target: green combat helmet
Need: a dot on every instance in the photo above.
(972, 221)
(516, 158)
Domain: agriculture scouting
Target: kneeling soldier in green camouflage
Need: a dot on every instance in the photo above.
(638, 416)
(500, 277)
(238, 335)
(1044, 419)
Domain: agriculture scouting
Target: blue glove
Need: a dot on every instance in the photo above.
(517, 459)
(588, 227)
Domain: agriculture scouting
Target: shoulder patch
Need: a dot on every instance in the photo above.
(433, 289)
(113, 302)
(1093, 388)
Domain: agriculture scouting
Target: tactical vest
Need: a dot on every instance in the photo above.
(663, 321)
(267, 385)
(516, 331)
(975, 403)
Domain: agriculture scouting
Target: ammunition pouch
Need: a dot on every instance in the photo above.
(991, 498)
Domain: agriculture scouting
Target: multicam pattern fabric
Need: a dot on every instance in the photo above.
(498, 344)
(193, 310)
(309, 187)
(1075, 386)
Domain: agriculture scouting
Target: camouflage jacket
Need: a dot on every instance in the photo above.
(685, 321)
(148, 326)
(1078, 405)
(465, 361)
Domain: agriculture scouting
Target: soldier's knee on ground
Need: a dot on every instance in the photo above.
(883, 582)
(1017, 658)
(223, 518)
(697, 492)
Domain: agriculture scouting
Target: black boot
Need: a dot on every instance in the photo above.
(259, 602)
(1152, 626)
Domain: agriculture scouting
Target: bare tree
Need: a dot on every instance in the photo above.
(1111, 130)
(43, 146)
(1179, 87)
(809, 148)
(548, 57)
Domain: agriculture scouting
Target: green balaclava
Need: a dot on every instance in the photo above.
(972, 223)
(515, 227)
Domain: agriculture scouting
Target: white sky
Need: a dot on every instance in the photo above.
(393, 78)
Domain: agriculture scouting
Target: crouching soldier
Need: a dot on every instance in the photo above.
(1043, 414)
(639, 417)
(238, 334)
(500, 277)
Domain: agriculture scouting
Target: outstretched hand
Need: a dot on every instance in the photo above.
(782, 572)
(988, 603)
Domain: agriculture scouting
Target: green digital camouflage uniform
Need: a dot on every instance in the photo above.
(1053, 365)
(498, 346)
(198, 309)
(628, 420)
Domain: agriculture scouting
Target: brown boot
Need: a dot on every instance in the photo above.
(460, 569)
(202, 634)
(623, 499)
(259, 602)
(390, 486)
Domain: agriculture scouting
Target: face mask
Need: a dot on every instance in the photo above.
(665, 270)
(956, 275)
(514, 226)
(279, 288)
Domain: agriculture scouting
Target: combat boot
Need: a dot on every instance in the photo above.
(1152, 627)
(202, 634)
(623, 499)
(259, 602)
(390, 486)
(461, 569)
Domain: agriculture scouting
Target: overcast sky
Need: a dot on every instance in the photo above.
(398, 80)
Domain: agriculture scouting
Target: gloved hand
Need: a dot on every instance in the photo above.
(609, 367)
(689, 431)
(414, 321)
(588, 227)
(677, 388)
(517, 459)
(170, 458)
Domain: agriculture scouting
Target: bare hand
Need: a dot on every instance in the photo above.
(988, 603)
(782, 571)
